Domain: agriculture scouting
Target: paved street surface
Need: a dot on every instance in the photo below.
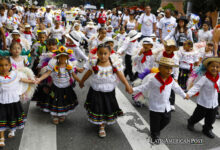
(131, 132)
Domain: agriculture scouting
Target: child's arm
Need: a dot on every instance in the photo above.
(196, 87)
(178, 90)
(85, 77)
(30, 81)
(76, 77)
(44, 76)
(125, 82)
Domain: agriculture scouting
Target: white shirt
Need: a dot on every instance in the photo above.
(159, 102)
(32, 18)
(147, 24)
(9, 88)
(208, 95)
(130, 25)
(187, 58)
(57, 33)
(3, 19)
(48, 18)
(78, 53)
(114, 21)
(204, 35)
(124, 17)
(129, 47)
(167, 25)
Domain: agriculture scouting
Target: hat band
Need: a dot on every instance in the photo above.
(74, 38)
(133, 35)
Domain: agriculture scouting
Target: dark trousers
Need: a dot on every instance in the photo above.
(172, 98)
(201, 112)
(158, 121)
(128, 67)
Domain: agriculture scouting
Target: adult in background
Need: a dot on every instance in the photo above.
(166, 25)
(48, 16)
(63, 15)
(204, 34)
(102, 18)
(131, 22)
(181, 33)
(148, 23)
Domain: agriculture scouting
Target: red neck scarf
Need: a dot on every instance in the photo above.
(133, 41)
(18, 40)
(214, 80)
(7, 77)
(70, 45)
(148, 53)
(168, 81)
(27, 32)
(168, 55)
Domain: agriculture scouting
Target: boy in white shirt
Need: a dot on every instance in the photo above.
(159, 88)
(207, 100)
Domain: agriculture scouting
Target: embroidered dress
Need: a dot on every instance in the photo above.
(101, 103)
(11, 112)
(61, 99)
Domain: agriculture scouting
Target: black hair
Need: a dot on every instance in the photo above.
(52, 41)
(188, 42)
(2, 7)
(5, 58)
(206, 22)
(104, 46)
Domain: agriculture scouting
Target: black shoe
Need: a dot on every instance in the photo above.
(209, 134)
(155, 140)
(190, 127)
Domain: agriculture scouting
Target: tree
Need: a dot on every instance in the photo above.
(169, 6)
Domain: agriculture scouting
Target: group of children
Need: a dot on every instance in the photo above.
(56, 69)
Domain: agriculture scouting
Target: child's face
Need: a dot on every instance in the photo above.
(2, 12)
(16, 50)
(49, 25)
(27, 29)
(62, 58)
(5, 66)
(122, 31)
(170, 49)
(109, 29)
(42, 37)
(154, 39)
(57, 23)
(213, 68)
(69, 41)
(41, 26)
(103, 34)
(187, 47)
(15, 36)
(111, 44)
(51, 47)
(103, 54)
(209, 48)
(165, 71)
(205, 27)
(147, 46)
(77, 28)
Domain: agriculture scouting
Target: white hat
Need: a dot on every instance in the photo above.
(133, 35)
(48, 7)
(119, 12)
(15, 32)
(108, 39)
(90, 25)
(75, 37)
(102, 7)
(27, 26)
(76, 24)
(110, 26)
(147, 40)
(153, 35)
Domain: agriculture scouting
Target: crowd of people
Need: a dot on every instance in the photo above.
(153, 56)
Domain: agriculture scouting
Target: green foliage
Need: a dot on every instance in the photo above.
(169, 6)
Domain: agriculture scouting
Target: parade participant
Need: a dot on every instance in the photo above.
(129, 46)
(48, 16)
(131, 22)
(170, 52)
(95, 41)
(188, 58)
(101, 103)
(90, 30)
(115, 19)
(57, 32)
(32, 17)
(120, 37)
(17, 61)
(12, 20)
(62, 99)
(109, 32)
(207, 100)
(12, 116)
(28, 35)
(159, 91)
(204, 34)
(207, 51)
(3, 44)
(102, 18)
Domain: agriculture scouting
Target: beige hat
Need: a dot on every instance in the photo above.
(170, 42)
(167, 62)
(207, 60)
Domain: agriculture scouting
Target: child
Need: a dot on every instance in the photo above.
(17, 61)
(101, 103)
(121, 37)
(58, 32)
(159, 92)
(12, 116)
(207, 100)
(208, 51)
(62, 99)
(28, 34)
(90, 30)
(170, 48)
(188, 58)
(95, 41)
(110, 32)
(130, 45)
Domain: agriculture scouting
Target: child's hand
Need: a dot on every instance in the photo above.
(80, 70)
(187, 97)
(81, 84)
(129, 89)
(141, 52)
(37, 81)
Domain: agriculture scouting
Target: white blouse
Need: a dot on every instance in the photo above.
(208, 95)
(159, 102)
(9, 88)
(57, 33)
(187, 59)
(62, 79)
(19, 64)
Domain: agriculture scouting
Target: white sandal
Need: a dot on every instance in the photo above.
(2, 142)
(11, 134)
(102, 132)
(55, 120)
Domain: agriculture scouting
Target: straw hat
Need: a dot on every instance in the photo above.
(134, 35)
(63, 51)
(147, 40)
(75, 37)
(170, 42)
(167, 62)
(207, 60)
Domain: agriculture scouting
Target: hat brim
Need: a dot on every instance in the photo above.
(185, 20)
(169, 65)
(62, 54)
(74, 41)
(136, 37)
(210, 59)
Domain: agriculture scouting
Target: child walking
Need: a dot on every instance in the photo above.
(62, 99)
(12, 116)
(101, 103)
(159, 88)
(207, 100)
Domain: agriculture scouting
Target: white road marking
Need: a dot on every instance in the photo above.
(137, 138)
(189, 107)
(39, 132)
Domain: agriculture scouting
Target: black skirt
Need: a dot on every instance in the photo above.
(102, 107)
(12, 116)
(61, 101)
(183, 77)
